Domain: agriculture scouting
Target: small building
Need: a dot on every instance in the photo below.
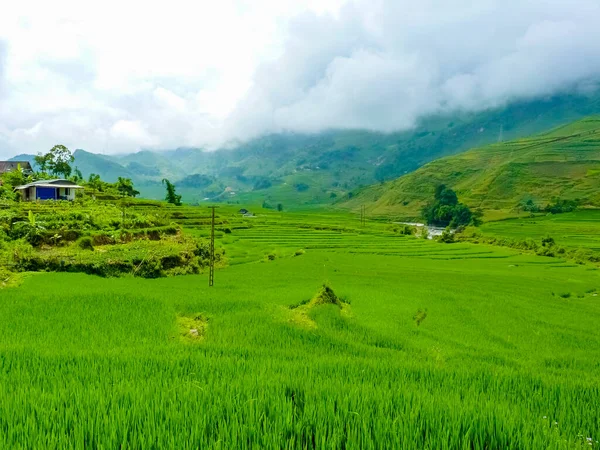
(58, 189)
(243, 211)
(11, 166)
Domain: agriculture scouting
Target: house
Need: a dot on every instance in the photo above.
(10, 166)
(58, 189)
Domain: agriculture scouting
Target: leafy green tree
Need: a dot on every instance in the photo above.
(95, 182)
(77, 175)
(446, 210)
(445, 196)
(279, 207)
(172, 196)
(125, 187)
(59, 160)
(42, 161)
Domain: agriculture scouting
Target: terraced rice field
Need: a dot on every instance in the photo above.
(575, 229)
(431, 346)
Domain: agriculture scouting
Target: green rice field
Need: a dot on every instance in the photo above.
(575, 229)
(431, 346)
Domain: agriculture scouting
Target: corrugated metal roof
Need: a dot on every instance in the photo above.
(56, 183)
(9, 166)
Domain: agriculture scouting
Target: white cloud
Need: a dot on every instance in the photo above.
(384, 64)
(118, 76)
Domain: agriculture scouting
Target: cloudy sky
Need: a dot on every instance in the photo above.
(118, 76)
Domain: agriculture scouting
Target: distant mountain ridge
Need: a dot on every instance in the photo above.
(563, 163)
(302, 170)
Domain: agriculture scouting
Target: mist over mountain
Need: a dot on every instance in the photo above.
(317, 168)
(283, 67)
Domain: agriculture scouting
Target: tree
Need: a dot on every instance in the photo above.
(446, 210)
(172, 196)
(445, 195)
(59, 160)
(125, 187)
(279, 207)
(42, 161)
(95, 182)
(77, 175)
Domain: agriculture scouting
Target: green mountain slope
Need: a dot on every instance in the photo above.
(300, 170)
(564, 163)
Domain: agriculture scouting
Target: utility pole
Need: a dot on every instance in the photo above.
(211, 274)
(501, 135)
(123, 212)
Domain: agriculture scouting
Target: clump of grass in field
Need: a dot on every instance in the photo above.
(192, 327)
(325, 296)
(565, 295)
(420, 316)
(300, 303)
(299, 252)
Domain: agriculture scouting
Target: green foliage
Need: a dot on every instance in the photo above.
(562, 206)
(263, 183)
(113, 363)
(13, 178)
(58, 161)
(301, 187)
(403, 229)
(447, 236)
(446, 210)
(533, 172)
(86, 243)
(125, 187)
(42, 161)
(171, 196)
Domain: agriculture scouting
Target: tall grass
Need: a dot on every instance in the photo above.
(500, 362)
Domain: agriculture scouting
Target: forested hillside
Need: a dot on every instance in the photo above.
(298, 170)
(563, 164)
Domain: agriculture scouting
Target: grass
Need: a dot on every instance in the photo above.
(575, 229)
(501, 357)
(563, 163)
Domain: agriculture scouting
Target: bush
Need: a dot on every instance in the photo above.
(85, 243)
(447, 236)
(548, 241)
(103, 239)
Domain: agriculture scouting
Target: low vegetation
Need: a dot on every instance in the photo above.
(411, 341)
(322, 329)
(556, 171)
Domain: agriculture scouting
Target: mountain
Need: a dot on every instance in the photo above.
(299, 170)
(562, 163)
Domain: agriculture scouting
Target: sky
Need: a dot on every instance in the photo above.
(120, 76)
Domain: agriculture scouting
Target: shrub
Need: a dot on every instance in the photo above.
(85, 243)
(103, 239)
(447, 236)
(548, 241)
